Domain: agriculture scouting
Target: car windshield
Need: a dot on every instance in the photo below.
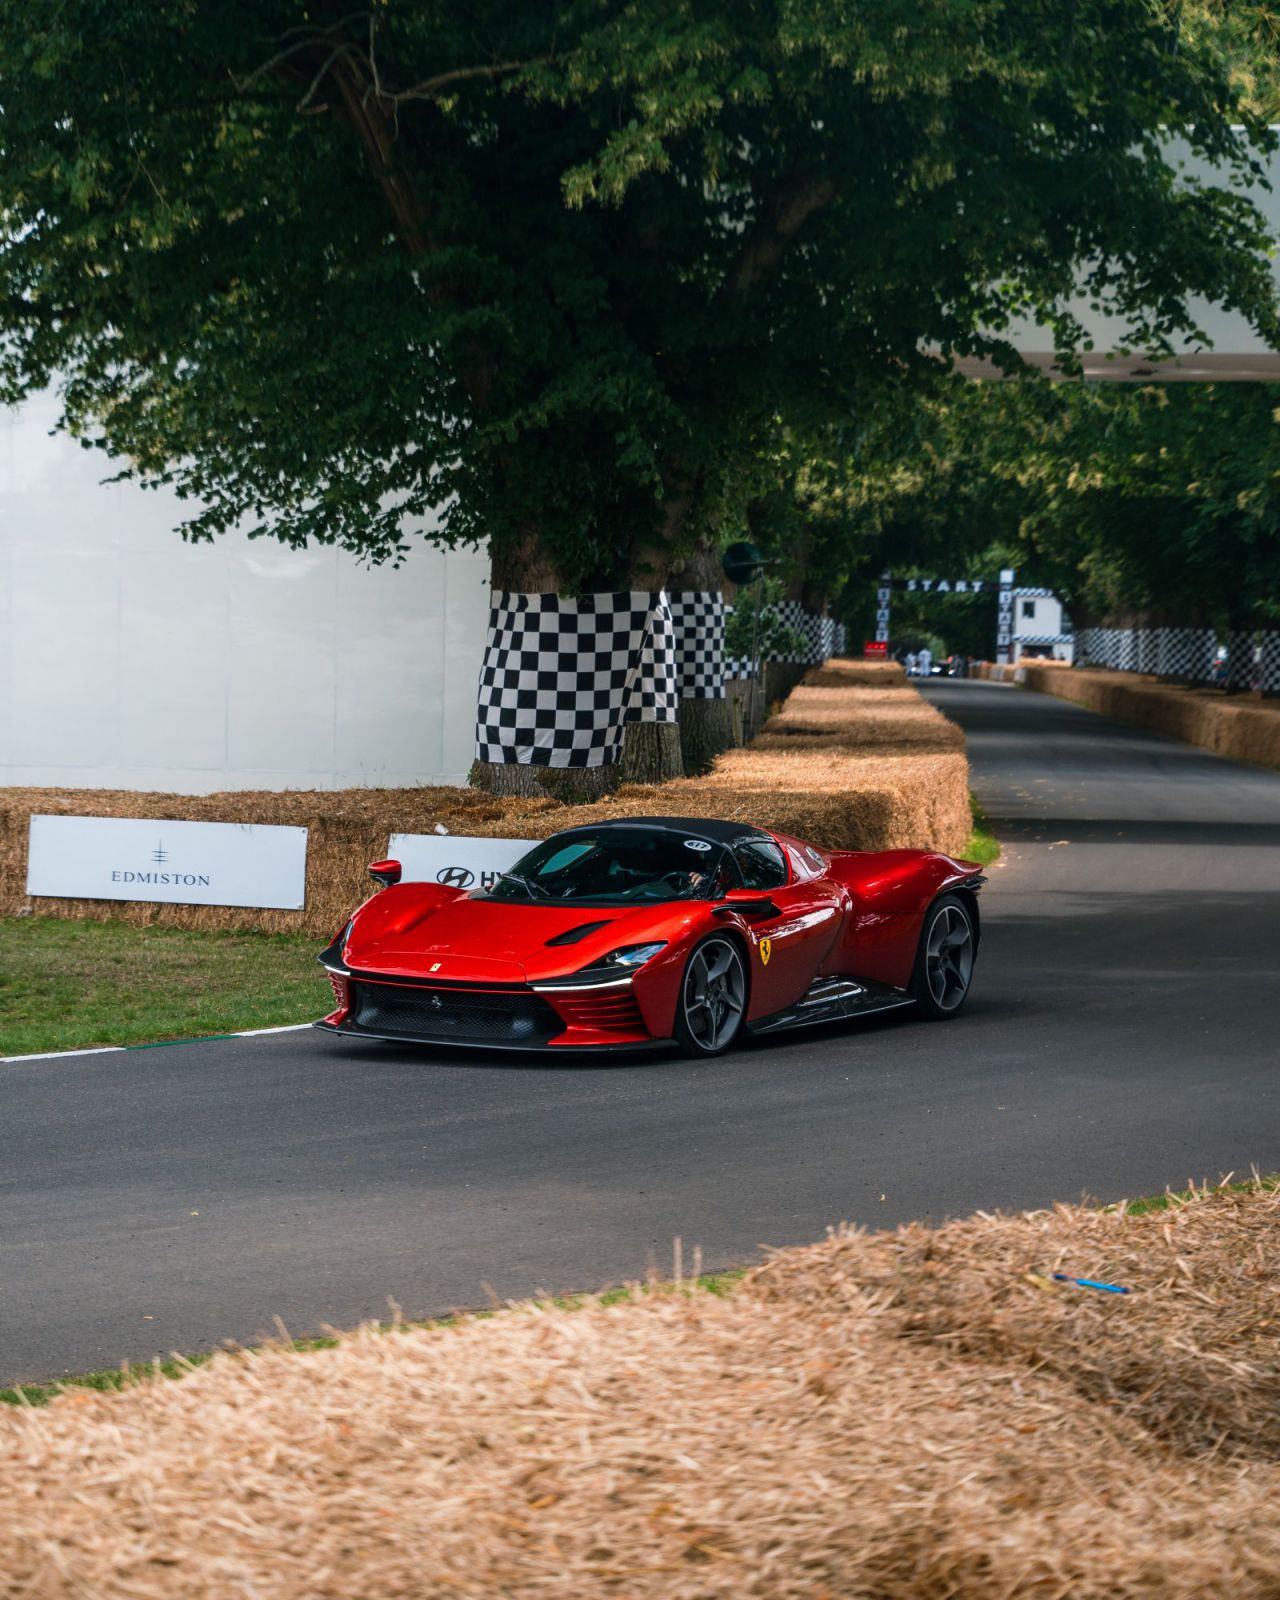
(619, 866)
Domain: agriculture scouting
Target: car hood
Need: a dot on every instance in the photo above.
(441, 934)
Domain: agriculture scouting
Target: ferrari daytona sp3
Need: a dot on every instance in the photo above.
(657, 930)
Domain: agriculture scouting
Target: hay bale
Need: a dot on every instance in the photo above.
(855, 760)
(347, 829)
(818, 1433)
(1242, 729)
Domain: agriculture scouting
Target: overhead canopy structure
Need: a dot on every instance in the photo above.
(1233, 351)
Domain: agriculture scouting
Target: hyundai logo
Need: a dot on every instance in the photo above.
(455, 877)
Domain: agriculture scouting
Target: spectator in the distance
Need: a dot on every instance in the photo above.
(911, 663)
(924, 661)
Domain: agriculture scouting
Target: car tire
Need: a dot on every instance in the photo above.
(948, 948)
(711, 1003)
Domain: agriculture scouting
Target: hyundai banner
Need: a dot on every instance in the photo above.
(183, 863)
(457, 861)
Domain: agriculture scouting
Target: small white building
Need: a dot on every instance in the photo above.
(132, 660)
(1041, 629)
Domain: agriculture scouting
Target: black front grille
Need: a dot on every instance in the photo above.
(467, 1015)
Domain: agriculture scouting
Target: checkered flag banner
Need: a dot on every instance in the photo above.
(698, 615)
(1240, 652)
(1271, 662)
(562, 675)
(654, 695)
(791, 614)
(1186, 653)
(1170, 652)
(817, 633)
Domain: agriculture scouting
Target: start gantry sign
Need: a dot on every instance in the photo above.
(1001, 588)
(183, 863)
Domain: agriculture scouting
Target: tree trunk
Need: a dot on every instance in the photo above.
(525, 568)
(651, 752)
(706, 725)
(706, 729)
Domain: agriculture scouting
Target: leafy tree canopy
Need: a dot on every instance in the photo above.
(1123, 498)
(574, 275)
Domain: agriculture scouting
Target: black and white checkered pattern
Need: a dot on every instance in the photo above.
(1171, 652)
(562, 675)
(793, 615)
(817, 632)
(1271, 662)
(1240, 654)
(654, 695)
(1044, 638)
(823, 638)
(1034, 594)
(698, 615)
(1186, 653)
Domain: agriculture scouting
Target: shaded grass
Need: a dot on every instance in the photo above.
(114, 1380)
(983, 846)
(68, 985)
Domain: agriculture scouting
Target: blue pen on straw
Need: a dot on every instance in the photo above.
(1090, 1283)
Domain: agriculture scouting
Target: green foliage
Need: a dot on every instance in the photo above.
(1246, 33)
(573, 276)
(1122, 497)
(769, 638)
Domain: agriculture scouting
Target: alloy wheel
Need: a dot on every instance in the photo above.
(715, 994)
(949, 957)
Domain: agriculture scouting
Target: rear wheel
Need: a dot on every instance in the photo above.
(944, 961)
(713, 998)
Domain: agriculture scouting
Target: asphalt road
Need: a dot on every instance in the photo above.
(1122, 1035)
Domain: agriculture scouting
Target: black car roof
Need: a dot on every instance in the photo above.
(699, 827)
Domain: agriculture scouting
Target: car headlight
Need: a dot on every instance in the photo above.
(616, 967)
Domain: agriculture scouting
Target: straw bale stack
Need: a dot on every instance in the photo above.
(854, 760)
(347, 829)
(906, 1417)
(1243, 729)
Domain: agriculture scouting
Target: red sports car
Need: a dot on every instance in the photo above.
(657, 930)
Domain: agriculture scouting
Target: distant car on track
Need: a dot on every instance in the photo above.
(657, 930)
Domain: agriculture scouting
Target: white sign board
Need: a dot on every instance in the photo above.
(454, 859)
(188, 863)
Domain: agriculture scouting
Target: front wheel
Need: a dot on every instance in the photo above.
(713, 998)
(944, 961)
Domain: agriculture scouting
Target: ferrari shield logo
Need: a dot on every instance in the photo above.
(766, 950)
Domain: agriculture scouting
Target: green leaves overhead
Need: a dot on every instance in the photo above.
(1122, 497)
(573, 276)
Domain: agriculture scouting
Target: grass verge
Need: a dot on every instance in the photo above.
(983, 846)
(68, 985)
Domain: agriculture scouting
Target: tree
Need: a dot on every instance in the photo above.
(1156, 500)
(567, 274)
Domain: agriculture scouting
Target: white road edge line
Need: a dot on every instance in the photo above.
(51, 1055)
(109, 1049)
(289, 1027)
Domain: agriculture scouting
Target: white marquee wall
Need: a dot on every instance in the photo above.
(129, 659)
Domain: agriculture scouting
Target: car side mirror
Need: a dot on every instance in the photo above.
(385, 872)
(748, 903)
